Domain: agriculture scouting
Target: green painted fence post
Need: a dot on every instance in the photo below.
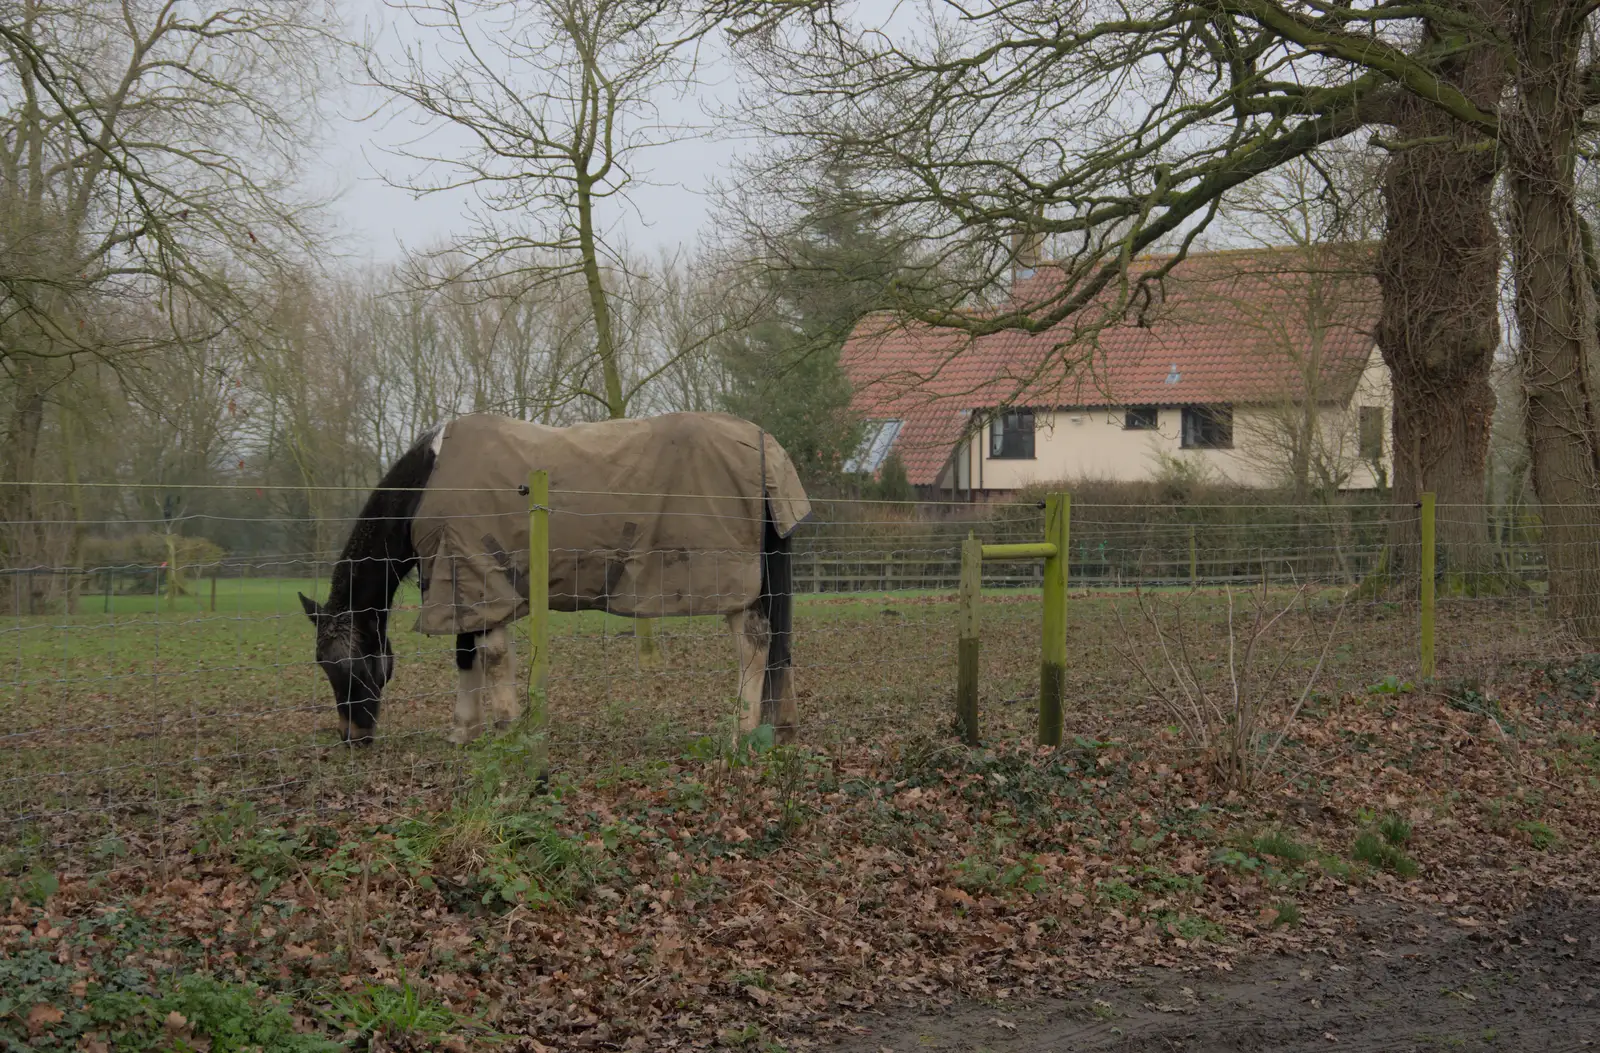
(1429, 557)
(539, 610)
(1053, 654)
(967, 640)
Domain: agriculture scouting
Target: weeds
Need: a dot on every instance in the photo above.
(792, 772)
(1189, 927)
(1539, 834)
(197, 1012)
(1391, 685)
(389, 1013)
(1286, 912)
(34, 888)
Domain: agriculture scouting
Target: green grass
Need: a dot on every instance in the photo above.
(190, 706)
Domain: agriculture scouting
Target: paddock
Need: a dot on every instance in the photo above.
(183, 764)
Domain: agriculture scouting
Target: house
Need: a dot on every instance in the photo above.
(1256, 367)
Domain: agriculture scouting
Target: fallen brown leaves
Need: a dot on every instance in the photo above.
(718, 906)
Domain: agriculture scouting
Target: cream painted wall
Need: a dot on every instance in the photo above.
(1092, 444)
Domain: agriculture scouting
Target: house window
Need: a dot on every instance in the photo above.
(1141, 418)
(1371, 428)
(1208, 427)
(1011, 436)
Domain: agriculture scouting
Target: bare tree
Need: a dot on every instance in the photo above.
(1321, 214)
(147, 153)
(559, 98)
(1115, 127)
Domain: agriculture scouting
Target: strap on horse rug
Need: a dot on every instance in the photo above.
(656, 517)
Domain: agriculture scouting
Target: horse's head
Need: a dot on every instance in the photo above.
(355, 654)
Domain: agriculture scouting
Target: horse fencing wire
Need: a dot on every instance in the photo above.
(153, 690)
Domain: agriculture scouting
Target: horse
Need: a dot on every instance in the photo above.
(680, 514)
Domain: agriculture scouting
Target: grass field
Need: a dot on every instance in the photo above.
(181, 768)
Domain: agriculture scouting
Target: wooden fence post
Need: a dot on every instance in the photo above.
(1194, 563)
(967, 639)
(1053, 653)
(539, 610)
(1428, 560)
(216, 568)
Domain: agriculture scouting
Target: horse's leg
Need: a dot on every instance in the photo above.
(787, 726)
(469, 689)
(498, 659)
(750, 635)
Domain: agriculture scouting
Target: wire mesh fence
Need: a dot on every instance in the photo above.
(142, 693)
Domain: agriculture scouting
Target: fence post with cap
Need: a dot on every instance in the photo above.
(967, 639)
(1053, 653)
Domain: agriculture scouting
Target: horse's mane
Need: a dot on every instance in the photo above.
(378, 554)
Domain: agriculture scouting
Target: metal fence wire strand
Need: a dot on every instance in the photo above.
(162, 675)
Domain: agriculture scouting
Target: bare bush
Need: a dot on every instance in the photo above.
(1236, 704)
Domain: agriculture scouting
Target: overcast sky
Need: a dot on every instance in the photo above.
(379, 221)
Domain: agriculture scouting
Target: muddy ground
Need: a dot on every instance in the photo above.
(1401, 979)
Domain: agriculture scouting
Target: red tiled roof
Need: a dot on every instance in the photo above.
(1230, 327)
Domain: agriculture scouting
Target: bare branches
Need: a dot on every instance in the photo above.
(556, 99)
(1236, 711)
(149, 152)
(1108, 130)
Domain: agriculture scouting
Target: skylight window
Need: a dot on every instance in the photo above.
(876, 441)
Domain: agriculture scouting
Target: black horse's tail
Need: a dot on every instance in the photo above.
(777, 605)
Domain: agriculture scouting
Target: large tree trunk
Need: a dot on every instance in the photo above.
(1439, 272)
(1555, 301)
(20, 466)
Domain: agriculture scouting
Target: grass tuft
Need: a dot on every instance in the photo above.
(1395, 830)
(1281, 846)
(1375, 851)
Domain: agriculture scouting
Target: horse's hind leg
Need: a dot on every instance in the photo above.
(469, 689)
(498, 660)
(786, 726)
(751, 635)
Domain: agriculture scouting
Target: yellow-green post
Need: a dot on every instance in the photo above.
(967, 640)
(539, 605)
(1053, 654)
(1428, 558)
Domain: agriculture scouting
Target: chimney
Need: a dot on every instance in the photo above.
(1027, 249)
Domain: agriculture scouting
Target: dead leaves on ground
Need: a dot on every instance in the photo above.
(724, 906)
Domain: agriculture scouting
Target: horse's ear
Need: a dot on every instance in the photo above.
(312, 610)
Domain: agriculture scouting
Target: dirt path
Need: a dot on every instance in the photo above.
(1410, 980)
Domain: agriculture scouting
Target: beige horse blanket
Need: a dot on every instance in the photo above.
(654, 517)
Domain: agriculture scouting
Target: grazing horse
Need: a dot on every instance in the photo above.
(682, 514)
